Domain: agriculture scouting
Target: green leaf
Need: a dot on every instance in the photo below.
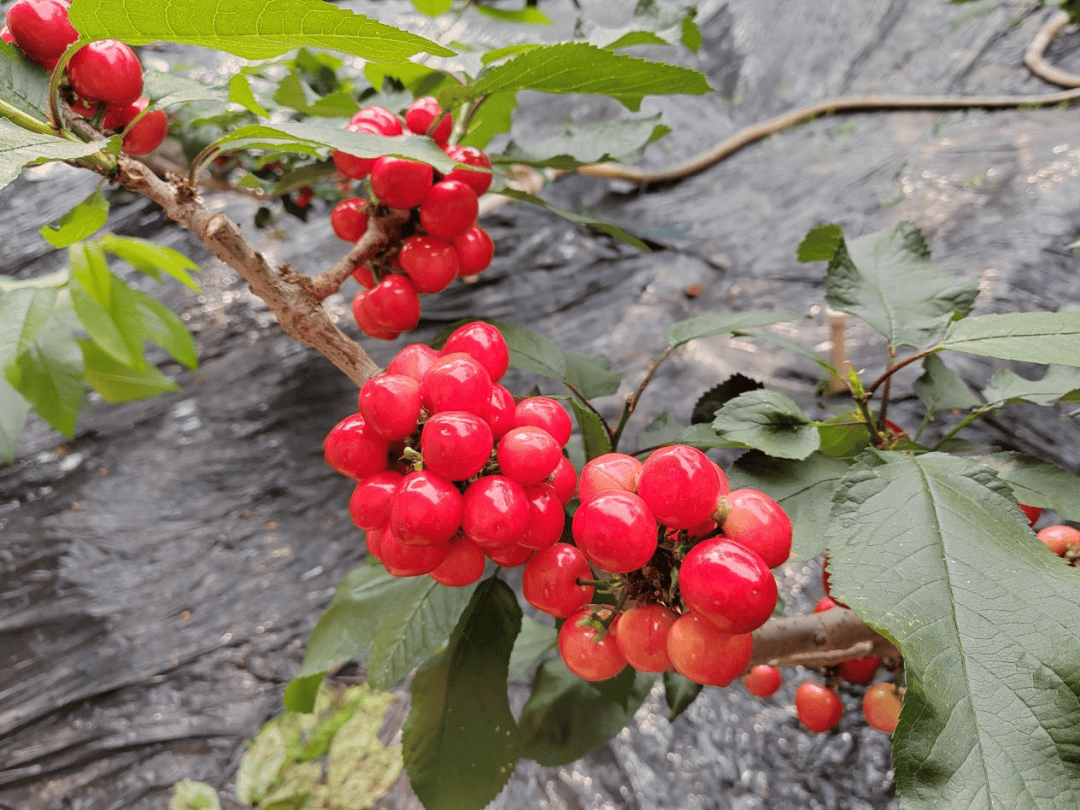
(23, 84)
(166, 329)
(189, 795)
(598, 223)
(433, 8)
(803, 488)
(360, 769)
(593, 433)
(928, 550)
(20, 147)
(566, 718)
(530, 15)
(13, 412)
(941, 389)
(498, 116)
(888, 280)
(679, 692)
(590, 375)
(167, 89)
(1032, 337)
(664, 430)
(724, 323)
(251, 29)
(84, 220)
(821, 243)
(240, 93)
(654, 23)
(620, 141)
(119, 382)
(843, 436)
(150, 258)
(24, 311)
(300, 693)
(576, 67)
(1059, 383)
(1038, 483)
(460, 739)
(768, 421)
(709, 403)
(533, 643)
(49, 369)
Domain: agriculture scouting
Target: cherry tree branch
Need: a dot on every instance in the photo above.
(381, 230)
(818, 640)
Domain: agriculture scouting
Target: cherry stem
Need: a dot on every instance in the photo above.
(375, 238)
(978, 413)
(895, 368)
(883, 411)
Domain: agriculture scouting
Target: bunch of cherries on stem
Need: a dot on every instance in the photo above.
(444, 241)
(104, 78)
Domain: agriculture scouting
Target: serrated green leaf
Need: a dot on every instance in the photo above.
(432, 8)
(118, 382)
(803, 488)
(590, 375)
(460, 740)
(566, 717)
(359, 768)
(533, 642)
(167, 89)
(23, 84)
(189, 795)
(768, 421)
(82, 221)
(620, 141)
(166, 329)
(102, 329)
(251, 29)
(24, 310)
(821, 243)
(653, 23)
(530, 15)
(1058, 384)
(724, 323)
(1031, 337)
(13, 412)
(49, 369)
(149, 257)
(940, 389)
(679, 692)
(843, 436)
(691, 35)
(300, 693)
(240, 93)
(888, 280)
(592, 221)
(593, 433)
(709, 403)
(664, 430)
(20, 147)
(1038, 483)
(928, 550)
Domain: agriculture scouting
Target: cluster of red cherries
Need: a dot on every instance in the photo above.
(105, 78)
(445, 242)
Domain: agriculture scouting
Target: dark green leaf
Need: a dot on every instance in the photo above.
(592, 221)
(590, 375)
(460, 740)
(928, 550)
(119, 382)
(725, 323)
(23, 84)
(621, 141)
(82, 221)
(19, 147)
(941, 389)
(803, 488)
(533, 643)
(300, 693)
(13, 412)
(768, 421)
(150, 258)
(166, 329)
(251, 29)
(619, 690)
(661, 430)
(679, 692)
(1059, 383)
(709, 403)
(1032, 337)
(888, 280)
(1038, 483)
(593, 433)
(565, 717)
(821, 243)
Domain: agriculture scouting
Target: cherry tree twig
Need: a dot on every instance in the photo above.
(818, 640)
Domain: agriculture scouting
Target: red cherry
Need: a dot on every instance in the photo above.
(616, 531)
(474, 249)
(455, 444)
(484, 343)
(501, 413)
(546, 517)
(369, 505)
(528, 454)
(108, 71)
(826, 582)
(413, 361)
(882, 703)
(354, 449)
(148, 132)
(1059, 538)
(373, 541)
(366, 321)
(353, 166)
(721, 476)
(728, 584)
(642, 637)
(550, 580)
(364, 276)
(545, 413)
(756, 521)
(702, 652)
(860, 670)
(463, 565)
(680, 486)
(431, 263)
(41, 29)
(589, 652)
(609, 471)
(425, 510)
(762, 680)
(819, 707)
(478, 181)
(825, 603)
(6, 35)
(564, 480)
(349, 220)
(401, 183)
(449, 209)
(457, 382)
(422, 113)
(495, 512)
(509, 556)
(379, 119)
(1033, 513)
(394, 304)
(391, 405)
(403, 560)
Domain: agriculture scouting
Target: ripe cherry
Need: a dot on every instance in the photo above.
(364, 276)
(394, 304)
(353, 166)
(431, 263)
(41, 29)
(642, 636)
(680, 486)
(455, 444)
(545, 413)
(763, 680)
(380, 119)
(882, 703)
(564, 480)
(1033, 513)
(550, 580)
(449, 209)
(501, 413)
(528, 454)
(609, 471)
(457, 382)
(484, 343)
(477, 179)
(413, 361)
(702, 652)
(728, 584)
(422, 113)
(391, 405)
(354, 449)
(349, 220)
(474, 249)
(756, 521)
(819, 707)
(859, 670)
(825, 603)
(587, 649)
(369, 505)
(147, 134)
(463, 565)
(404, 560)
(425, 510)
(616, 531)
(366, 321)
(546, 517)
(495, 512)
(509, 556)
(401, 183)
(1059, 538)
(108, 71)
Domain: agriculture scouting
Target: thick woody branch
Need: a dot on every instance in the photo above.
(819, 640)
(290, 295)
(380, 231)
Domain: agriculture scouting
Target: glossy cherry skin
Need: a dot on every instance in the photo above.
(495, 512)
(455, 444)
(369, 506)
(564, 480)
(108, 71)
(819, 707)
(425, 510)
(380, 119)
(1059, 538)
(475, 250)
(413, 361)
(826, 603)
(763, 680)
(501, 412)
(349, 220)
(464, 564)
(484, 343)
(509, 556)
(616, 531)
(394, 304)
(353, 166)
(148, 132)
(642, 637)
(366, 321)
(546, 517)
(41, 29)
(756, 521)
(449, 209)
(404, 560)
(702, 652)
(391, 405)
(680, 486)
(546, 413)
(401, 183)
(422, 113)
(859, 670)
(479, 181)
(354, 449)
(588, 652)
(882, 703)
(431, 263)
(550, 580)
(528, 454)
(728, 584)
(609, 471)
(457, 382)
(1032, 513)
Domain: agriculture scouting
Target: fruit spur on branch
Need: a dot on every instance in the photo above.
(441, 240)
